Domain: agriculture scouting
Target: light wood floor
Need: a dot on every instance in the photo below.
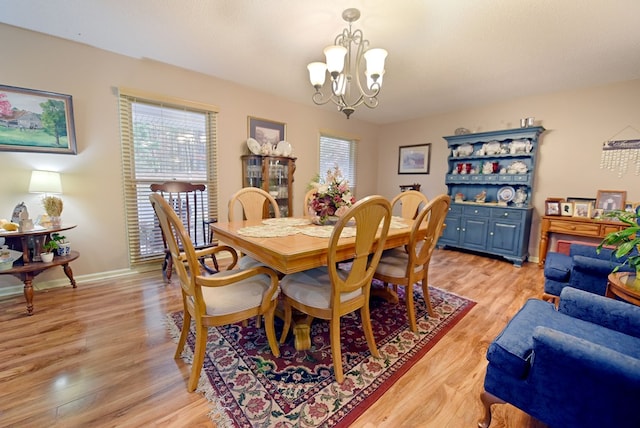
(100, 355)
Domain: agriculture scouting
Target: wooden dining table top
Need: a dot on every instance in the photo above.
(298, 252)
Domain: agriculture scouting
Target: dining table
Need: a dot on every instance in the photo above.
(295, 244)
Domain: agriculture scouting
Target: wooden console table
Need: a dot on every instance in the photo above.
(27, 268)
(576, 226)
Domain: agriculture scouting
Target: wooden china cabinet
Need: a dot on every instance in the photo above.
(273, 174)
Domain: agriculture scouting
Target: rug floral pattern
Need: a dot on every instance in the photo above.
(248, 387)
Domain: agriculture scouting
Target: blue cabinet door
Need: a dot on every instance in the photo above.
(504, 237)
(451, 232)
(474, 233)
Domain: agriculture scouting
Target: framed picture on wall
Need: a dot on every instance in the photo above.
(266, 131)
(611, 200)
(414, 159)
(36, 121)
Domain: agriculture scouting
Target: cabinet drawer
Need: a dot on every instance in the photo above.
(507, 214)
(455, 209)
(477, 211)
(586, 229)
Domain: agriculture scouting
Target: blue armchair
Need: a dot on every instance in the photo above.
(578, 366)
(584, 268)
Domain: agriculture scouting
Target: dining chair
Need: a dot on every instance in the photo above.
(216, 299)
(307, 199)
(405, 266)
(410, 202)
(329, 292)
(188, 201)
(255, 204)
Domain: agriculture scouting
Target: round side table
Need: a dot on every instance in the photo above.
(624, 285)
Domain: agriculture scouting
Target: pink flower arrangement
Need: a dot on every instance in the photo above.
(332, 198)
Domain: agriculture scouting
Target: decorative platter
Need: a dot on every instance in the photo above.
(254, 146)
(506, 194)
(283, 148)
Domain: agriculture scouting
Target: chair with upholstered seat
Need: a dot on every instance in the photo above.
(329, 292)
(188, 201)
(222, 298)
(407, 265)
(409, 203)
(255, 203)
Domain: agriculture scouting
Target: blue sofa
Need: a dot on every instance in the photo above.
(584, 268)
(577, 366)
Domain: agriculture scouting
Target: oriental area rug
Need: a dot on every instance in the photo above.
(249, 387)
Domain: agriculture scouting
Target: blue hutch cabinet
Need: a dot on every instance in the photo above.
(490, 180)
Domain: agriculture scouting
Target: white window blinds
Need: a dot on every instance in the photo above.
(162, 141)
(341, 152)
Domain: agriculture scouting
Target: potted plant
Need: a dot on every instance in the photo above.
(64, 247)
(626, 242)
(48, 248)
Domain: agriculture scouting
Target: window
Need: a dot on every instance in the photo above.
(341, 152)
(163, 140)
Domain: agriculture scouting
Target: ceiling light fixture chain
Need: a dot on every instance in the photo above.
(347, 91)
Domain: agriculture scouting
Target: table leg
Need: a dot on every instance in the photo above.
(28, 294)
(386, 293)
(67, 270)
(544, 242)
(302, 333)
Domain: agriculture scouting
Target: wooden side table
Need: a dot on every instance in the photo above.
(624, 285)
(30, 265)
(574, 226)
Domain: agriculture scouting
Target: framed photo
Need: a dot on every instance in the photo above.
(566, 208)
(36, 121)
(552, 207)
(582, 209)
(266, 131)
(583, 200)
(414, 159)
(611, 200)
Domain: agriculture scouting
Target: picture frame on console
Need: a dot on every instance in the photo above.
(552, 207)
(566, 209)
(414, 159)
(611, 200)
(582, 209)
(36, 121)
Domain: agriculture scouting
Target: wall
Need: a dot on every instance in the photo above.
(92, 180)
(577, 123)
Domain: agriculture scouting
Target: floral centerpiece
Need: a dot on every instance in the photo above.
(332, 197)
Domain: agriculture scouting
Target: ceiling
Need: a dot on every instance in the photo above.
(444, 55)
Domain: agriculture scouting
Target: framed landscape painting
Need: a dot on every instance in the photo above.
(414, 159)
(266, 131)
(36, 121)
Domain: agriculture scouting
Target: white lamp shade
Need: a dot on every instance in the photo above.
(375, 61)
(335, 58)
(45, 182)
(317, 73)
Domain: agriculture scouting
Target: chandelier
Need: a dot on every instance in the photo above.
(344, 60)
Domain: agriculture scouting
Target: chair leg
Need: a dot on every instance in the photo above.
(198, 357)
(336, 352)
(487, 400)
(427, 298)
(368, 330)
(411, 310)
(270, 329)
(186, 325)
(287, 321)
(167, 267)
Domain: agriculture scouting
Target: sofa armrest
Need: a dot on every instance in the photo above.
(609, 313)
(594, 386)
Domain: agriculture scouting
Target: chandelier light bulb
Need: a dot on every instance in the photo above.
(375, 61)
(317, 74)
(335, 59)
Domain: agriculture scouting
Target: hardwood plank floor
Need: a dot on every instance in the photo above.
(100, 355)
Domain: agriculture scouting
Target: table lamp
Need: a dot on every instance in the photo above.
(48, 183)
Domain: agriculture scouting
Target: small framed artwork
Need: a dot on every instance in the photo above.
(611, 200)
(592, 201)
(598, 213)
(582, 209)
(566, 208)
(36, 121)
(414, 159)
(552, 207)
(266, 131)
